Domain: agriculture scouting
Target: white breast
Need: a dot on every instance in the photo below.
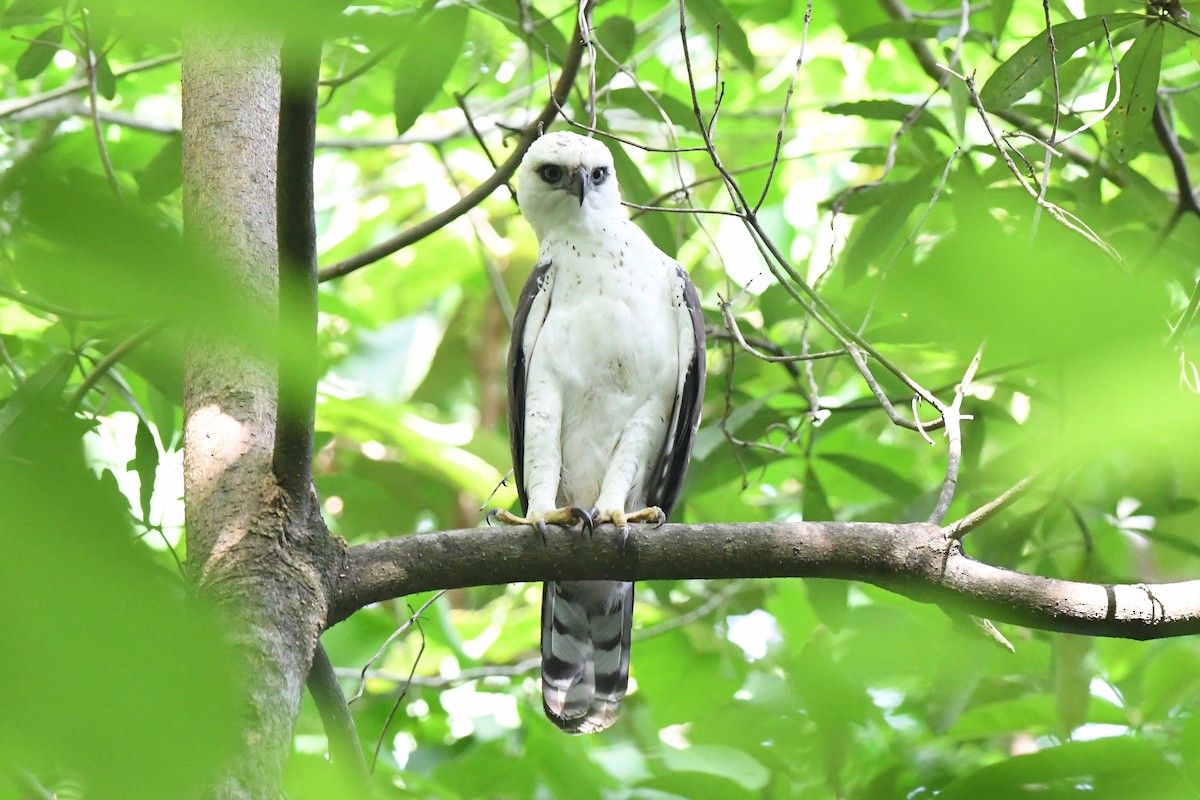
(610, 344)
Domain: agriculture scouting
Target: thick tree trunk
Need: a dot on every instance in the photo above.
(250, 550)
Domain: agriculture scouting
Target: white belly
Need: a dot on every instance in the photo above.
(610, 345)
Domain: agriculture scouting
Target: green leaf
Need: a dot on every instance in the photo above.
(871, 240)
(146, 463)
(885, 110)
(635, 189)
(880, 477)
(42, 390)
(1129, 121)
(719, 760)
(106, 82)
(164, 173)
(1001, 10)
(1120, 766)
(898, 29)
(84, 600)
(1029, 66)
(435, 47)
(715, 15)
(1193, 46)
(39, 53)
(26, 12)
(616, 35)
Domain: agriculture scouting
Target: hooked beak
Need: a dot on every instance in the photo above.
(579, 184)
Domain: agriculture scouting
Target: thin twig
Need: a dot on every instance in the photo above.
(782, 358)
(387, 723)
(672, 210)
(109, 361)
(954, 419)
(17, 373)
(1116, 83)
(1066, 219)
(787, 101)
(1174, 152)
(977, 517)
(18, 105)
(808, 299)
(53, 308)
(89, 58)
(362, 675)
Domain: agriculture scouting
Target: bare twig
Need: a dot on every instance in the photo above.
(17, 373)
(781, 357)
(672, 210)
(89, 59)
(53, 308)
(21, 104)
(1066, 219)
(954, 419)
(977, 517)
(807, 298)
(787, 101)
(697, 613)
(1116, 83)
(896, 9)
(412, 620)
(387, 723)
(1174, 152)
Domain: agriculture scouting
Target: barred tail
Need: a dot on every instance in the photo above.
(585, 652)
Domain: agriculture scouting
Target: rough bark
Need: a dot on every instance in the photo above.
(915, 559)
(251, 551)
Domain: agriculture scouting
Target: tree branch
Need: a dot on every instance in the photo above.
(345, 751)
(481, 192)
(914, 559)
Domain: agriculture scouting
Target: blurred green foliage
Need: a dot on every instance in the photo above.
(924, 240)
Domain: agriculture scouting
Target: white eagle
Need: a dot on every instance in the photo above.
(605, 383)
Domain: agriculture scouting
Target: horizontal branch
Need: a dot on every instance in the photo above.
(915, 559)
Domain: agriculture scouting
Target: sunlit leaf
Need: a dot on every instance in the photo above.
(434, 47)
(24, 12)
(714, 14)
(1129, 121)
(106, 82)
(617, 36)
(1027, 68)
(40, 52)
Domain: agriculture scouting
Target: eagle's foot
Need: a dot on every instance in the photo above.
(621, 520)
(566, 517)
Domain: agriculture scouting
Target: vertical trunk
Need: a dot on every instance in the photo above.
(253, 552)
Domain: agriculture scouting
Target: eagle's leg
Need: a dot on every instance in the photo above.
(566, 517)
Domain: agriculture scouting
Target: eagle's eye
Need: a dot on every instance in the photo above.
(550, 173)
(599, 174)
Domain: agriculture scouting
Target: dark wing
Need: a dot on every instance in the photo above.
(664, 483)
(516, 376)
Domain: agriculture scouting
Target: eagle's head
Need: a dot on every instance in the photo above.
(566, 179)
